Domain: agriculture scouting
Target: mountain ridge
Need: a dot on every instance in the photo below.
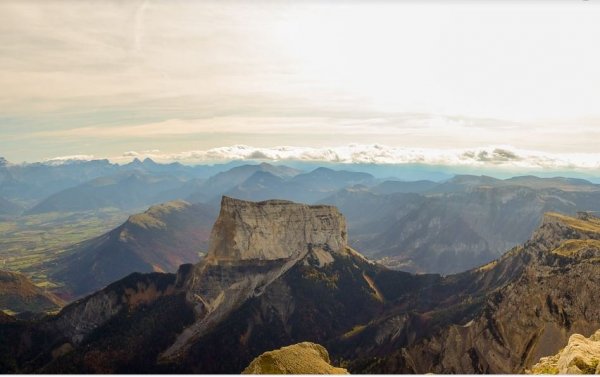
(159, 239)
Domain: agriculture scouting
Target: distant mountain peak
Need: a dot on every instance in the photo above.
(322, 169)
(153, 216)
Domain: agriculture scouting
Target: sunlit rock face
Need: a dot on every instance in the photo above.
(580, 356)
(301, 358)
(273, 230)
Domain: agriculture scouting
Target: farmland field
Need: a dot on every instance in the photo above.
(28, 243)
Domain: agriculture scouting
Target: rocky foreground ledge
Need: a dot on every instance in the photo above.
(580, 356)
(301, 358)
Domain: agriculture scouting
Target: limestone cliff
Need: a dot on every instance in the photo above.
(301, 358)
(580, 356)
(274, 229)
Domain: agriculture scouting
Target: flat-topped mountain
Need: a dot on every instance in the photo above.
(253, 244)
(274, 229)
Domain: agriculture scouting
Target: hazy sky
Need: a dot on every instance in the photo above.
(167, 77)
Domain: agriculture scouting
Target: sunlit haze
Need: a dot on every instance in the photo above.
(179, 80)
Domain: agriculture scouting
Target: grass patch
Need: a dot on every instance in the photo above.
(355, 330)
(488, 266)
(571, 247)
(590, 225)
(545, 369)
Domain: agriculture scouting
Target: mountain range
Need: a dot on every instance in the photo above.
(123, 191)
(457, 224)
(417, 226)
(256, 291)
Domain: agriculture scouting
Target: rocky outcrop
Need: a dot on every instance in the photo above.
(252, 244)
(80, 318)
(301, 358)
(580, 356)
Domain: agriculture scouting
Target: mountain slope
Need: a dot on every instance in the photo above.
(391, 187)
(453, 231)
(321, 182)
(551, 296)
(9, 208)
(160, 239)
(19, 294)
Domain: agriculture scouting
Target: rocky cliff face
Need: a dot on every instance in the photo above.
(551, 293)
(274, 230)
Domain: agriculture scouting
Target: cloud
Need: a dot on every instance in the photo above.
(68, 159)
(497, 155)
(503, 157)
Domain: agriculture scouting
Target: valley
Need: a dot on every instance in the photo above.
(29, 243)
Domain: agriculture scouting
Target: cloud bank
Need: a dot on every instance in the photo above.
(502, 157)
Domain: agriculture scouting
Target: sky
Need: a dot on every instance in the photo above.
(429, 81)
